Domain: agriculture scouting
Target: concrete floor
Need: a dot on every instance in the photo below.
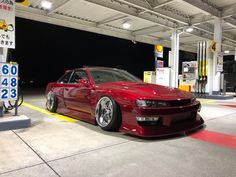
(56, 147)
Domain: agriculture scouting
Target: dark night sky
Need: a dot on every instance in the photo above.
(45, 51)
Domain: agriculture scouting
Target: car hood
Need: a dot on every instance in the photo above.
(143, 90)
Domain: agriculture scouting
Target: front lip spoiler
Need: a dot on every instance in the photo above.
(152, 132)
(182, 132)
(174, 130)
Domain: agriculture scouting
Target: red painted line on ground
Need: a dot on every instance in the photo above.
(216, 138)
(229, 105)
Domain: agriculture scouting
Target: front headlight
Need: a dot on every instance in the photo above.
(151, 103)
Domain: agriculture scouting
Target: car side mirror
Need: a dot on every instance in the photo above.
(83, 82)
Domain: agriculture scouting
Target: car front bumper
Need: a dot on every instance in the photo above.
(171, 120)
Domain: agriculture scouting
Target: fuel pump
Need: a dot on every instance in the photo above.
(188, 80)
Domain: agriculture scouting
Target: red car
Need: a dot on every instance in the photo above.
(116, 100)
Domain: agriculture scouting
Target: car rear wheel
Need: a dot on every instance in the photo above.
(108, 115)
(51, 103)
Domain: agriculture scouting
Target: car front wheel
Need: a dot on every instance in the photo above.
(51, 103)
(108, 115)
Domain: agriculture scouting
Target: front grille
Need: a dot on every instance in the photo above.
(174, 120)
(190, 116)
(180, 102)
(154, 124)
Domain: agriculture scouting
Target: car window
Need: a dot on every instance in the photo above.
(77, 75)
(103, 76)
(65, 78)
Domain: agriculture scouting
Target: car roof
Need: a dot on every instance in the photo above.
(91, 68)
(96, 68)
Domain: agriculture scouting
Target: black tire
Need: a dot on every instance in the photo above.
(51, 103)
(108, 118)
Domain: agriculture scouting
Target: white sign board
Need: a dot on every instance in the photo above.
(163, 76)
(7, 23)
(219, 64)
(149, 77)
(9, 81)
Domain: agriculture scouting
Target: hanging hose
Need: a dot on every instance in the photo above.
(202, 60)
(198, 59)
(205, 67)
(16, 103)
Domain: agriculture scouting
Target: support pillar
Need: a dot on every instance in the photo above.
(235, 54)
(174, 59)
(215, 72)
(3, 54)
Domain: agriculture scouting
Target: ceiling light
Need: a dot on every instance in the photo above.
(226, 51)
(189, 29)
(46, 4)
(126, 25)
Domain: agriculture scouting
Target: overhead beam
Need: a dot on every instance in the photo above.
(190, 48)
(229, 11)
(57, 19)
(208, 36)
(190, 39)
(231, 22)
(148, 30)
(203, 6)
(57, 5)
(160, 12)
(210, 30)
(92, 27)
(143, 16)
(36, 3)
(69, 22)
(199, 33)
(162, 3)
(112, 18)
(196, 3)
(229, 29)
(144, 6)
(228, 54)
(127, 11)
(207, 8)
(169, 14)
(199, 19)
(163, 34)
(158, 5)
(150, 6)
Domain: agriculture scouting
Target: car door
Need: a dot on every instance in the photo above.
(77, 94)
(61, 84)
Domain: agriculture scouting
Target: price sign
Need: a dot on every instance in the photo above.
(9, 81)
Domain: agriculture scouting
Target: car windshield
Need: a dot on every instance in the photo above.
(112, 75)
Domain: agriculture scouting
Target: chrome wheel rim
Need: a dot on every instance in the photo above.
(104, 111)
(50, 101)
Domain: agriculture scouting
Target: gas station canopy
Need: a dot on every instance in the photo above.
(148, 21)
